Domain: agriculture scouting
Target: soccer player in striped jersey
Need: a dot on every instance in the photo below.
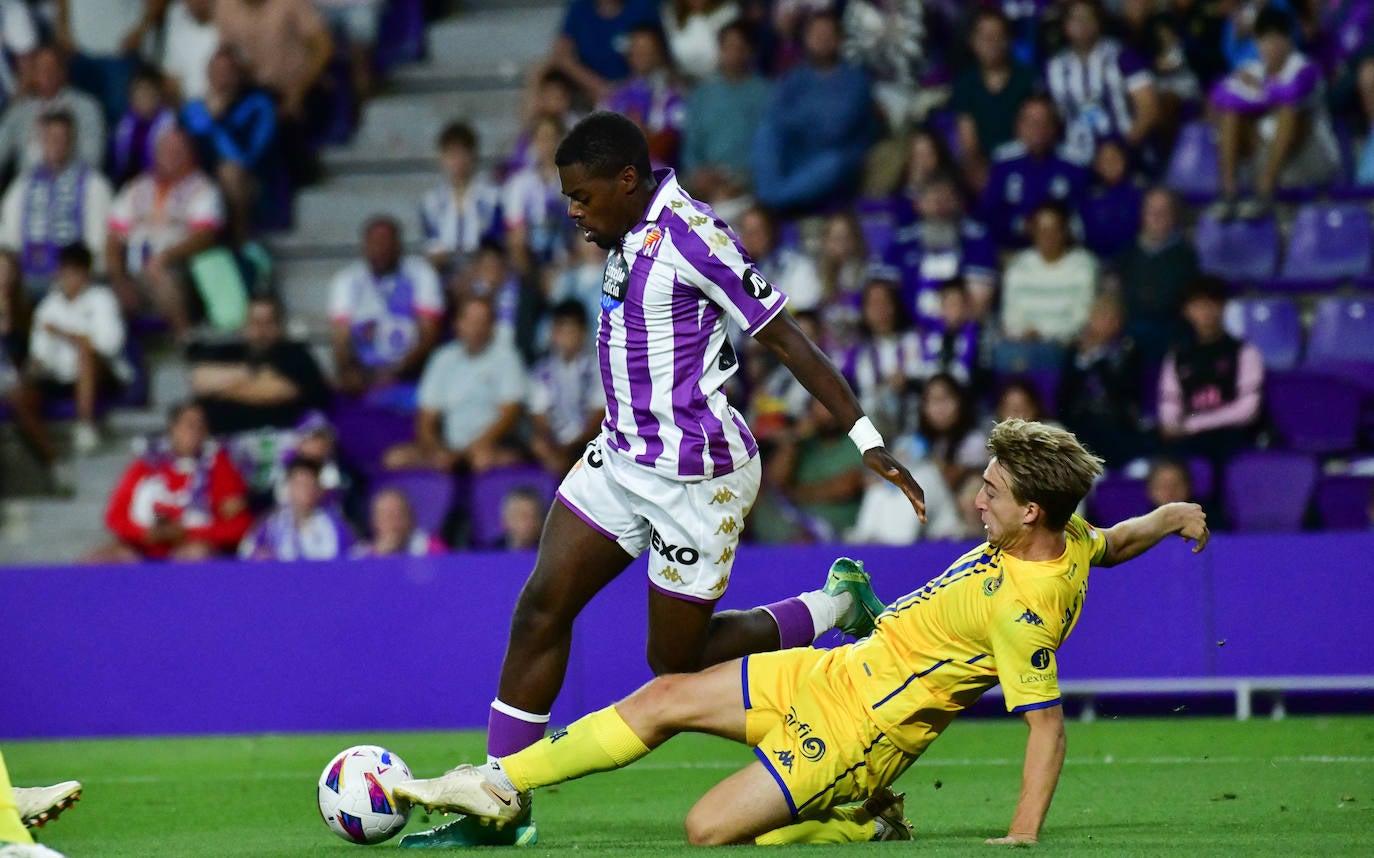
(835, 727)
(675, 469)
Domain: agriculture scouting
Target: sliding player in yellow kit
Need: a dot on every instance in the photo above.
(831, 728)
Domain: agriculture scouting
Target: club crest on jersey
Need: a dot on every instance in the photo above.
(651, 241)
(990, 585)
(614, 281)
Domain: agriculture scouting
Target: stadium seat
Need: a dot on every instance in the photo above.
(1313, 413)
(1203, 476)
(1272, 325)
(1238, 249)
(1268, 490)
(879, 224)
(430, 494)
(1341, 340)
(1343, 502)
(489, 489)
(1194, 166)
(365, 432)
(1117, 498)
(1328, 244)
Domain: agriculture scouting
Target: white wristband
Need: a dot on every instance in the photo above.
(865, 435)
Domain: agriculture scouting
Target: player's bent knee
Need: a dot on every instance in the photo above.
(703, 828)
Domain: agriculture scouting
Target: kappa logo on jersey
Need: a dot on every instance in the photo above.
(686, 555)
(651, 242)
(614, 281)
(1031, 618)
(757, 286)
(1040, 659)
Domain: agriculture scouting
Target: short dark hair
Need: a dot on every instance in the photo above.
(604, 143)
(743, 29)
(1272, 20)
(558, 78)
(1206, 287)
(58, 115)
(304, 463)
(149, 73)
(180, 407)
(380, 219)
(569, 310)
(75, 255)
(989, 13)
(457, 134)
(491, 244)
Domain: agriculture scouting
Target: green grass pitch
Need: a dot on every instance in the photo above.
(1181, 786)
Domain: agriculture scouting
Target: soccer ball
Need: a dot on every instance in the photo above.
(355, 795)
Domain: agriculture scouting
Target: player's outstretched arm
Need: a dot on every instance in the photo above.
(1044, 761)
(1134, 536)
(818, 375)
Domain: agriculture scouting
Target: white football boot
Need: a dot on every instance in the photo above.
(40, 805)
(465, 789)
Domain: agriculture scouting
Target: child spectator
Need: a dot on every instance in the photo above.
(522, 519)
(538, 229)
(950, 344)
(394, 534)
(1111, 211)
(650, 96)
(76, 349)
(181, 499)
(464, 208)
(136, 132)
(566, 399)
(1210, 388)
(553, 95)
(302, 528)
(1168, 481)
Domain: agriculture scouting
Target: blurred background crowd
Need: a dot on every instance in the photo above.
(1146, 220)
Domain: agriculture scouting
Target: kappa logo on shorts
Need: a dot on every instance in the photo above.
(671, 574)
(785, 758)
(728, 526)
(686, 555)
(719, 587)
(726, 555)
(723, 495)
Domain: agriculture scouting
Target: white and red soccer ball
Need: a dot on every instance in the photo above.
(356, 794)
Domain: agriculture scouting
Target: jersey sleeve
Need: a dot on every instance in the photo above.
(713, 261)
(1097, 543)
(340, 298)
(1024, 650)
(206, 209)
(429, 298)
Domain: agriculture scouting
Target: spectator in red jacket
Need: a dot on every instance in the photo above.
(183, 499)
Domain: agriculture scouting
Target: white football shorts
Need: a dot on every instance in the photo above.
(690, 528)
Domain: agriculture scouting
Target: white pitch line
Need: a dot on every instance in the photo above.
(957, 762)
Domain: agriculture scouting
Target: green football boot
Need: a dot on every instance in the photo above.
(466, 831)
(848, 576)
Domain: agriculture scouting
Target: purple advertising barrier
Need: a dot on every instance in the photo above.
(392, 644)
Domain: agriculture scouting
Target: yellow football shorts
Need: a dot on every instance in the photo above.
(809, 730)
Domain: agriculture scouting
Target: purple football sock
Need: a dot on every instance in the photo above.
(795, 627)
(507, 732)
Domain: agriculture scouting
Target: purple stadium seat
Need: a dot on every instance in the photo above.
(1328, 244)
(1313, 413)
(1193, 167)
(1343, 502)
(365, 433)
(1272, 325)
(879, 224)
(1268, 490)
(1342, 330)
(1117, 498)
(1203, 477)
(1238, 249)
(400, 34)
(490, 489)
(430, 493)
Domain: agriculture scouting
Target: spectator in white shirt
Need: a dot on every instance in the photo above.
(1048, 288)
(76, 348)
(469, 401)
(58, 202)
(462, 209)
(19, 132)
(160, 222)
(384, 310)
(18, 38)
(189, 40)
(693, 30)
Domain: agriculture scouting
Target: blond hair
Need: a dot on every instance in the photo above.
(1045, 465)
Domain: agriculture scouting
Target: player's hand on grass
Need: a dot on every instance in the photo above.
(1191, 524)
(1012, 840)
(880, 462)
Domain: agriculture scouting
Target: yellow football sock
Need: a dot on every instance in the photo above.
(12, 828)
(842, 825)
(594, 743)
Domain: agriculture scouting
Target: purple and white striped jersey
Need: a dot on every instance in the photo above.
(1093, 93)
(668, 292)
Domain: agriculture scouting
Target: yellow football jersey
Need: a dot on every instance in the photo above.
(988, 618)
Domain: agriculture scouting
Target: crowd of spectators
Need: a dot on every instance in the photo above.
(964, 202)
